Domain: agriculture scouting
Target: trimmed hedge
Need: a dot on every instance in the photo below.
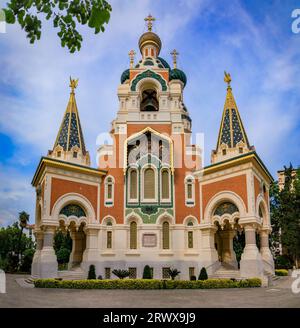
(281, 272)
(147, 284)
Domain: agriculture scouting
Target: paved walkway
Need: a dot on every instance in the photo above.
(276, 296)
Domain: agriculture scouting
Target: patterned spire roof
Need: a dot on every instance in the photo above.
(231, 130)
(70, 132)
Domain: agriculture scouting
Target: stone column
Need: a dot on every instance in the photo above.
(265, 251)
(77, 248)
(48, 261)
(91, 254)
(228, 254)
(251, 262)
(35, 269)
(208, 252)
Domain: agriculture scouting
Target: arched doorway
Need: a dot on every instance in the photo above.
(72, 222)
(225, 217)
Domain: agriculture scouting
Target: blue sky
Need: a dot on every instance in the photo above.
(251, 39)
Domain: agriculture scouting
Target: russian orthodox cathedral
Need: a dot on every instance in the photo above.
(150, 201)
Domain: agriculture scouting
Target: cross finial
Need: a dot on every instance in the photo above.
(174, 54)
(131, 57)
(149, 19)
(73, 84)
(227, 79)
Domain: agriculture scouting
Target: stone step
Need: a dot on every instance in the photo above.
(72, 275)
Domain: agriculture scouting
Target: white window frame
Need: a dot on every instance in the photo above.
(133, 200)
(149, 200)
(189, 202)
(109, 202)
(165, 200)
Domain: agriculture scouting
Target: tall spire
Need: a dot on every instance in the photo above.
(232, 139)
(69, 144)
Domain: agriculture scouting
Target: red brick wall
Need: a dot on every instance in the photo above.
(60, 187)
(236, 184)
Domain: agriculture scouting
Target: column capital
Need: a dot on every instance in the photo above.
(208, 226)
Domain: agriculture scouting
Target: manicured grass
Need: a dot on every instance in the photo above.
(147, 284)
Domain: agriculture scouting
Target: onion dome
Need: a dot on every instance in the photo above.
(125, 76)
(150, 38)
(177, 74)
(163, 63)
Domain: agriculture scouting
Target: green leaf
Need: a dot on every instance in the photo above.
(9, 16)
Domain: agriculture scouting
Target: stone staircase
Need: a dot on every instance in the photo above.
(226, 271)
(76, 273)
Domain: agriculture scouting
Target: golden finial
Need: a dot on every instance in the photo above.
(73, 84)
(227, 78)
(149, 19)
(131, 56)
(174, 54)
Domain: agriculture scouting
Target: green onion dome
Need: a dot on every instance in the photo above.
(177, 74)
(125, 76)
(163, 63)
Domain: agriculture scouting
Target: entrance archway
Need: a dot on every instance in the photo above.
(72, 220)
(225, 217)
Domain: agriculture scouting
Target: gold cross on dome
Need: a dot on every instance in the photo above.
(73, 84)
(149, 19)
(227, 78)
(174, 54)
(131, 57)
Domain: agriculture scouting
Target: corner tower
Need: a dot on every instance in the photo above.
(69, 144)
(232, 139)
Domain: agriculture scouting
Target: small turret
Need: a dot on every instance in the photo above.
(232, 139)
(69, 145)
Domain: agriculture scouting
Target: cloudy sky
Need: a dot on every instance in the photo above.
(253, 40)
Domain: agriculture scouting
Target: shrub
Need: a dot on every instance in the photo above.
(63, 255)
(92, 272)
(203, 274)
(27, 260)
(4, 264)
(146, 284)
(283, 262)
(100, 277)
(173, 273)
(281, 272)
(193, 278)
(147, 274)
(121, 274)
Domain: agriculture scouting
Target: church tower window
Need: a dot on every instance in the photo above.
(190, 191)
(109, 191)
(149, 101)
(133, 179)
(165, 185)
(149, 184)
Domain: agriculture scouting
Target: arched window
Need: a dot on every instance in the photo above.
(109, 191)
(166, 235)
(189, 191)
(149, 184)
(149, 100)
(165, 185)
(133, 180)
(109, 239)
(133, 235)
